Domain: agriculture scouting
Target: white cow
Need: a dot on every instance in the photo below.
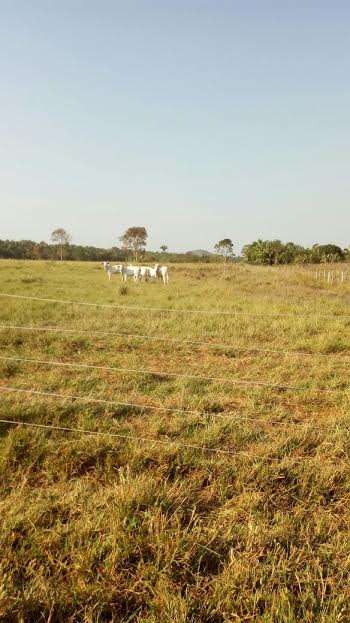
(144, 273)
(113, 270)
(152, 273)
(147, 272)
(108, 269)
(162, 273)
(130, 271)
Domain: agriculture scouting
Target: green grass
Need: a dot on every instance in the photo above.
(108, 529)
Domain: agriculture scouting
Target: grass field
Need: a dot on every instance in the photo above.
(143, 527)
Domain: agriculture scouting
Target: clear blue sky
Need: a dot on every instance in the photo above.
(197, 119)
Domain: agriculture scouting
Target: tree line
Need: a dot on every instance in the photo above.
(134, 242)
(31, 250)
(133, 248)
(273, 252)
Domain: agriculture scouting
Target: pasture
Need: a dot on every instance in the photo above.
(219, 488)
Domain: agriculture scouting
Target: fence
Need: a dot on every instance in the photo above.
(332, 276)
(172, 310)
(327, 275)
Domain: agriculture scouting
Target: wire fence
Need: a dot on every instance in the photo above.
(341, 354)
(176, 375)
(143, 439)
(332, 276)
(169, 310)
(100, 401)
(256, 458)
(143, 371)
(236, 414)
(124, 436)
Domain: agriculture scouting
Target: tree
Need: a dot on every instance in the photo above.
(326, 253)
(270, 252)
(225, 249)
(61, 237)
(134, 240)
(163, 248)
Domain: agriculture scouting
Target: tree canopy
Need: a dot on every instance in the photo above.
(276, 252)
(62, 238)
(135, 240)
(225, 248)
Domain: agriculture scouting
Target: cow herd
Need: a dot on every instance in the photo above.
(138, 273)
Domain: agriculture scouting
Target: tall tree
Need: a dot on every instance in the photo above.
(62, 238)
(163, 248)
(135, 240)
(225, 249)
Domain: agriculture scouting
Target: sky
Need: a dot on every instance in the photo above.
(198, 119)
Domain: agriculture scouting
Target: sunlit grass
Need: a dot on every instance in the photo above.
(107, 529)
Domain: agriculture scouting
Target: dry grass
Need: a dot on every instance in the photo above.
(104, 529)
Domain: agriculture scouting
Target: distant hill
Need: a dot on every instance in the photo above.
(200, 253)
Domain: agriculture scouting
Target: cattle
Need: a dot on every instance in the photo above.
(130, 271)
(139, 273)
(108, 269)
(144, 273)
(112, 270)
(152, 273)
(162, 272)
